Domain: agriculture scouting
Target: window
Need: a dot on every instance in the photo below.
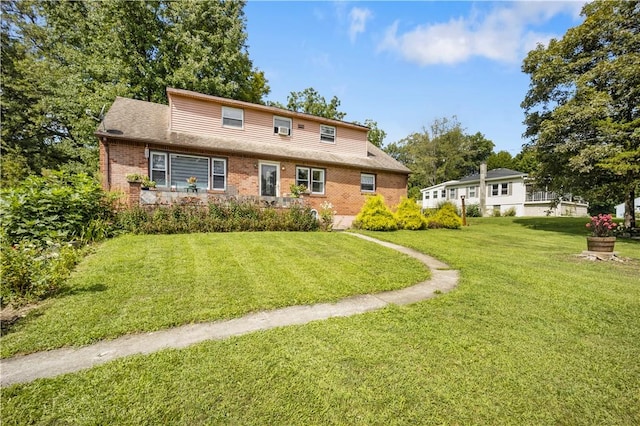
(426, 195)
(219, 173)
(282, 126)
(435, 195)
(313, 179)
(499, 189)
(443, 193)
(175, 169)
(452, 193)
(327, 133)
(232, 117)
(471, 191)
(367, 182)
(159, 168)
(184, 166)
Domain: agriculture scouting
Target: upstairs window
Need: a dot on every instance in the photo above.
(367, 182)
(232, 117)
(282, 126)
(327, 134)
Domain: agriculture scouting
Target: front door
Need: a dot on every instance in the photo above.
(269, 179)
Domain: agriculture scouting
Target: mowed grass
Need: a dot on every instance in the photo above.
(145, 283)
(532, 335)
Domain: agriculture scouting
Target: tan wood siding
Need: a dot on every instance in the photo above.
(205, 117)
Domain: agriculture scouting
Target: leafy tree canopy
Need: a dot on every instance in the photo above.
(63, 61)
(310, 101)
(443, 152)
(582, 110)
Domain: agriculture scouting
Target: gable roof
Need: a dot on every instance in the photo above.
(494, 174)
(148, 122)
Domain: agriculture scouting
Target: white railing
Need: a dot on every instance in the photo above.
(542, 196)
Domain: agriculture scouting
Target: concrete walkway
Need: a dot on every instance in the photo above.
(22, 369)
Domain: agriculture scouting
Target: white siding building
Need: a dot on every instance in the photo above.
(501, 190)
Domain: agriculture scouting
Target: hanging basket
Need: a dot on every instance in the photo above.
(601, 244)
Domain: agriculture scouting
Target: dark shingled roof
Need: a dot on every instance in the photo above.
(493, 174)
(134, 120)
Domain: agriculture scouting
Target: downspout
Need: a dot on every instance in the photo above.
(483, 188)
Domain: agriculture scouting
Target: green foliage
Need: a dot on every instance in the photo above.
(58, 206)
(445, 216)
(310, 102)
(501, 159)
(409, 216)
(326, 214)
(473, 210)
(297, 190)
(63, 61)
(216, 216)
(375, 215)
(31, 271)
(375, 135)
(443, 152)
(581, 110)
(511, 211)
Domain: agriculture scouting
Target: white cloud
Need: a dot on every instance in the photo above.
(358, 20)
(502, 34)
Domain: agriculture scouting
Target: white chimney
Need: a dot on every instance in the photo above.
(483, 188)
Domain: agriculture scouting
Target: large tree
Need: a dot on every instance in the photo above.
(311, 102)
(63, 61)
(441, 153)
(582, 110)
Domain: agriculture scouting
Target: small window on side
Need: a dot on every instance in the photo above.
(367, 182)
(232, 117)
(327, 134)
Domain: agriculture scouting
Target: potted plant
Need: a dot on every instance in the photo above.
(297, 190)
(134, 178)
(192, 182)
(147, 183)
(602, 228)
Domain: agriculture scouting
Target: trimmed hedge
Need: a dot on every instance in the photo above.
(375, 215)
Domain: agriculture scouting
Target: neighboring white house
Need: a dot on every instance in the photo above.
(620, 208)
(502, 190)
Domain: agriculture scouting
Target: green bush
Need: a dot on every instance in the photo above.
(409, 216)
(473, 210)
(31, 271)
(445, 217)
(375, 215)
(216, 216)
(56, 207)
(511, 211)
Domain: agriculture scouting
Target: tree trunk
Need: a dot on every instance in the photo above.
(629, 210)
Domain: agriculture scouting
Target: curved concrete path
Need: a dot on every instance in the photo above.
(22, 369)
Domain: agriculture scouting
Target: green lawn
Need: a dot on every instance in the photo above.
(532, 335)
(146, 283)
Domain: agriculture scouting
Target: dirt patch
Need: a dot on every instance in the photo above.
(9, 315)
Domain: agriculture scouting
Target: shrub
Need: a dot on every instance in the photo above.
(375, 215)
(216, 216)
(56, 207)
(326, 214)
(496, 212)
(31, 271)
(511, 211)
(445, 217)
(409, 216)
(473, 210)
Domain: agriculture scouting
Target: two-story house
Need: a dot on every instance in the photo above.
(501, 190)
(237, 148)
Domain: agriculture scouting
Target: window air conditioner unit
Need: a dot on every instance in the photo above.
(282, 130)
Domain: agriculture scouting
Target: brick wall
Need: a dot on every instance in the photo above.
(342, 184)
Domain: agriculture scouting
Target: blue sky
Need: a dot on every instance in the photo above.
(405, 64)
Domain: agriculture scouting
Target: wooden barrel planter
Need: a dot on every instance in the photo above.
(601, 244)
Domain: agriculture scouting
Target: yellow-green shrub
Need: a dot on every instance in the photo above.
(445, 217)
(409, 216)
(375, 215)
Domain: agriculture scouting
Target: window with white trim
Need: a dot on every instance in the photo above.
(158, 168)
(426, 195)
(367, 182)
(327, 134)
(499, 189)
(218, 174)
(232, 117)
(471, 191)
(313, 179)
(435, 195)
(453, 192)
(169, 169)
(282, 126)
(443, 193)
